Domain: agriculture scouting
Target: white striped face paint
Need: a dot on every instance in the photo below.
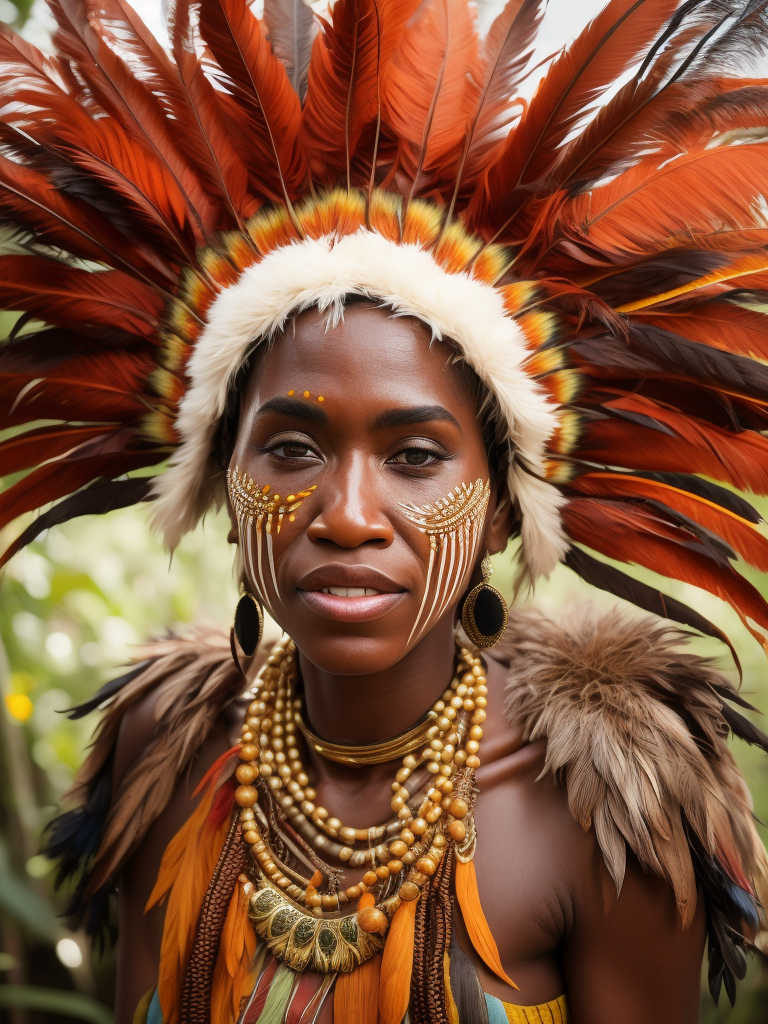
(260, 516)
(454, 526)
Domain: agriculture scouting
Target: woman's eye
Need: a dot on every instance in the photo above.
(294, 451)
(415, 457)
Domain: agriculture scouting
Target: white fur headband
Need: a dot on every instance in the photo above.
(406, 278)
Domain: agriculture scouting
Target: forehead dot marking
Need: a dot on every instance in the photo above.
(291, 393)
(306, 394)
(321, 399)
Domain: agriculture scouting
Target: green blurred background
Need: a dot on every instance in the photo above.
(71, 608)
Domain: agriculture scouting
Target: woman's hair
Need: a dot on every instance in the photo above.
(489, 417)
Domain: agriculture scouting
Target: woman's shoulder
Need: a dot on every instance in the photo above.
(634, 729)
(157, 720)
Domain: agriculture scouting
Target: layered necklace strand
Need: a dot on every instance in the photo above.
(301, 925)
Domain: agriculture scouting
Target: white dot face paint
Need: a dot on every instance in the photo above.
(454, 525)
(260, 516)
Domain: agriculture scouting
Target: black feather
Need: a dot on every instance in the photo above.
(607, 577)
(709, 491)
(691, 359)
(95, 499)
(107, 690)
(659, 274)
(728, 693)
(744, 729)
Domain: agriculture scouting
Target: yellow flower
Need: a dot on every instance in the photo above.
(19, 706)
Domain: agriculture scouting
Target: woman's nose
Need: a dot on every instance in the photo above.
(351, 512)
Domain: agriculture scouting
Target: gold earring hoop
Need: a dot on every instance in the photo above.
(484, 615)
(248, 627)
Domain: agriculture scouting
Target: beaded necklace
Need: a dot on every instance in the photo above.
(280, 820)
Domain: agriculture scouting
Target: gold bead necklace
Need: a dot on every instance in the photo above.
(400, 855)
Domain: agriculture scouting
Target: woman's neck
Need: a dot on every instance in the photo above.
(368, 708)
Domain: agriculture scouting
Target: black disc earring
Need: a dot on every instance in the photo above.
(249, 624)
(484, 615)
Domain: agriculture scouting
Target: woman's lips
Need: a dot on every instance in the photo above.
(360, 605)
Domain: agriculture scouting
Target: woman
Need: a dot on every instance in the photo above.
(397, 822)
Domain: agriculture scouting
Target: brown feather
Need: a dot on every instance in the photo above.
(612, 694)
(291, 29)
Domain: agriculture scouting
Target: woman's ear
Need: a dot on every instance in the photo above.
(500, 526)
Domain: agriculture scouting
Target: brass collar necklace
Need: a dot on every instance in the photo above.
(369, 753)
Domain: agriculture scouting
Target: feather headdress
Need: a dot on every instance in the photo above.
(599, 255)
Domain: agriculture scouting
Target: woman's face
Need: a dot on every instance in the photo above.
(348, 425)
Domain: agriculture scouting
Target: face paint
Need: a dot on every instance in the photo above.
(255, 508)
(454, 527)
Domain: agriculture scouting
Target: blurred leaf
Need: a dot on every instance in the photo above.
(24, 904)
(67, 1004)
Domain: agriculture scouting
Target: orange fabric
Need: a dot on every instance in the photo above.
(397, 965)
(474, 919)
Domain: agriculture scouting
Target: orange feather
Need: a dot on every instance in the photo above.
(631, 534)
(430, 90)
(641, 213)
(474, 919)
(342, 89)
(397, 965)
(607, 47)
(185, 872)
(356, 994)
(693, 446)
(743, 536)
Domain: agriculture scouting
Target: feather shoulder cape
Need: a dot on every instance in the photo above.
(636, 731)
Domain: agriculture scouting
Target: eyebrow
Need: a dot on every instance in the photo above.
(414, 414)
(295, 408)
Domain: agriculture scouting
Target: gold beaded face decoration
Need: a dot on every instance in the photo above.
(260, 515)
(454, 526)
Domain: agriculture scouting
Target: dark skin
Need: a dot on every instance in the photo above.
(548, 898)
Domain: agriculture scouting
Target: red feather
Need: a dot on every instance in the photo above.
(342, 90)
(105, 457)
(607, 47)
(101, 388)
(210, 143)
(691, 445)
(634, 535)
(742, 535)
(73, 298)
(37, 446)
(135, 105)
(265, 102)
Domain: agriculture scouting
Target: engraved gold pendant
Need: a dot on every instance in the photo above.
(307, 943)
